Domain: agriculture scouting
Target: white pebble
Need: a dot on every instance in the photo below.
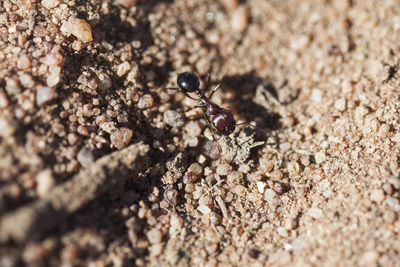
(45, 95)
(377, 195)
(45, 182)
(240, 19)
(154, 236)
(369, 258)
(340, 104)
(316, 95)
(123, 69)
(175, 224)
(269, 195)
(261, 187)
(53, 79)
(320, 157)
(315, 213)
(50, 4)
(285, 146)
(204, 209)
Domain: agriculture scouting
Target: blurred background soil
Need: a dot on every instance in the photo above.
(314, 183)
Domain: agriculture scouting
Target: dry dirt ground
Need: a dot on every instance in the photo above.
(102, 165)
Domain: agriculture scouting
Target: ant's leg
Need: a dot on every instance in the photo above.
(245, 122)
(210, 127)
(205, 89)
(178, 89)
(214, 90)
(190, 109)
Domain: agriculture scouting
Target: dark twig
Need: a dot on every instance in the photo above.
(35, 218)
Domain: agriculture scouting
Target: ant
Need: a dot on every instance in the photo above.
(221, 118)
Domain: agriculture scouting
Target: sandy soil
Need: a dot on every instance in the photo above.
(102, 165)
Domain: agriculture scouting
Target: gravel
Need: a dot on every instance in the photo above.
(81, 79)
(173, 118)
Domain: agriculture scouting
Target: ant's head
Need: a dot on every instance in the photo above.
(188, 82)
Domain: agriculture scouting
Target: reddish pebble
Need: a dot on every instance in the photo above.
(82, 130)
(69, 253)
(146, 101)
(121, 137)
(190, 178)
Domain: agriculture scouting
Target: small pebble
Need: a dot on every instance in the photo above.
(189, 187)
(211, 149)
(121, 137)
(285, 146)
(215, 218)
(50, 4)
(3, 100)
(82, 130)
(244, 168)
(369, 258)
(320, 157)
(173, 118)
(54, 57)
(123, 69)
(340, 104)
(229, 4)
(190, 177)
(44, 182)
(278, 188)
(53, 79)
(315, 213)
(269, 195)
(26, 80)
(204, 209)
(234, 176)
(146, 101)
(125, 3)
(171, 196)
(23, 62)
(261, 187)
(316, 95)
(276, 175)
(193, 128)
(45, 95)
(223, 169)
(383, 130)
(154, 236)
(195, 168)
(176, 223)
(377, 195)
(12, 86)
(79, 28)
(240, 19)
(85, 156)
(388, 188)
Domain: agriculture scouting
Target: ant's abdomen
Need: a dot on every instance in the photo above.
(224, 122)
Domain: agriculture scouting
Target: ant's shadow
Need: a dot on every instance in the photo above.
(245, 86)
